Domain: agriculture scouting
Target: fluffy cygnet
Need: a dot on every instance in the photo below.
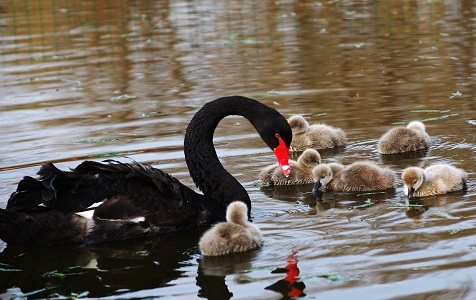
(404, 139)
(433, 180)
(233, 236)
(301, 170)
(318, 136)
(360, 176)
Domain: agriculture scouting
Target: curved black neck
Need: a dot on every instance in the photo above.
(206, 170)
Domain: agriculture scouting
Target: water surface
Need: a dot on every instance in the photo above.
(108, 79)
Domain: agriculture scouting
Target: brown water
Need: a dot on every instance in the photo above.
(94, 79)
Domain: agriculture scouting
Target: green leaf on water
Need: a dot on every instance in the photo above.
(399, 205)
(25, 295)
(331, 277)
(428, 110)
(109, 154)
(456, 94)
(370, 193)
(452, 231)
(439, 118)
(368, 202)
(447, 215)
(122, 97)
(54, 273)
(10, 270)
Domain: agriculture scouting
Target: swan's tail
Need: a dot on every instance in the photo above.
(68, 191)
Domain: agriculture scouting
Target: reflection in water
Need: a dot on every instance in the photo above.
(289, 287)
(212, 271)
(108, 269)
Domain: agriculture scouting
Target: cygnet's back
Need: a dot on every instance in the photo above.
(233, 236)
(360, 176)
(400, 139)
(318, 136)
(433, 180)
(301, 170)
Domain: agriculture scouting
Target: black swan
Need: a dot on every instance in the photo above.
(138, 200)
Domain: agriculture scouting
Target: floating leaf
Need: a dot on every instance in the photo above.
(331, 277)
(452, 231)
(25, 295)
(122, 97)
(113, 154)
(447, 215)
(370, 193)
(54, 273)
(429, 111)
(399, 205)
(10, 270)
(440, 117)
(456, 94)
(368, 202)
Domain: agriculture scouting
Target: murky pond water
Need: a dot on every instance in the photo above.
(95, 79)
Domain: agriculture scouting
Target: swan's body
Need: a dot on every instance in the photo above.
(400, 139)
(235, 235)
(433, 180)
(360, 176)
(318, 136)
(301, 170)
(138, 200)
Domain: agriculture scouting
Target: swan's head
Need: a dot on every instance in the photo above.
(321, 175)
(276, 133)
(237, 212)
(416, 125)
(413, 178)
(298, 124)
(309, 158)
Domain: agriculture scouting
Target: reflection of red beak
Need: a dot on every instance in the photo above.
(291, 274)
(282, 155)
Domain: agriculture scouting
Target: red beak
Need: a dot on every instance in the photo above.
(282, 155)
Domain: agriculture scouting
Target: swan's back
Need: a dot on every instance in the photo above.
(301, 170)
(235, 235)
(404, 139)
(363, 176)
(433, 180)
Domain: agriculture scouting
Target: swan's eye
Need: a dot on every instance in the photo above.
(277, 135)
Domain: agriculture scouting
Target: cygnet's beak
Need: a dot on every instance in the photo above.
(410, 192)
(317, 186)
(282, 155)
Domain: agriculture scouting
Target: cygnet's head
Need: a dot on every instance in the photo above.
(309, 158)
(237, 212)
(322, 175)
(413, 178)
(298, 124)
(416, 125)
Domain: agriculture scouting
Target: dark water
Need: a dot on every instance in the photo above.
(95, 79)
